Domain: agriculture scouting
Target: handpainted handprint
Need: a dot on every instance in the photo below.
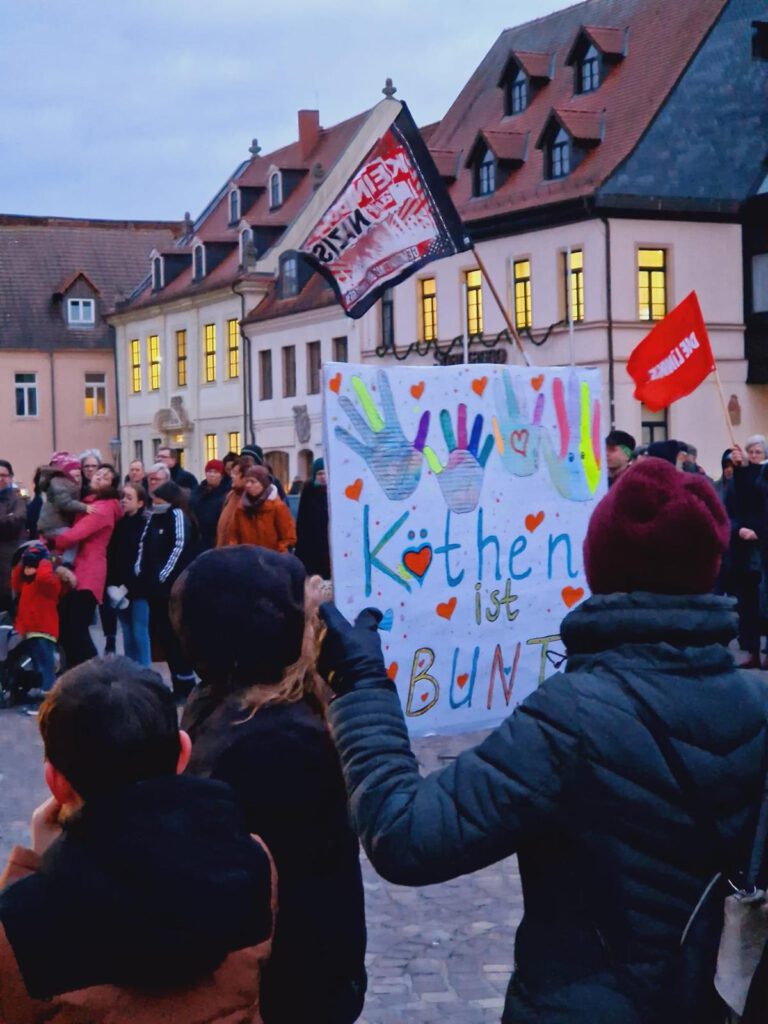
(575, 466)
(461, 477)
(394, 461)
(517, 436)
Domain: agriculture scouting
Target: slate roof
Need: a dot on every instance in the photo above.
(213, 225)
(657, 39)
(43, 256)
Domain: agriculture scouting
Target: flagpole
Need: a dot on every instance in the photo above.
(569, 306)
(465, 332)
(500, 304)
(721, 393)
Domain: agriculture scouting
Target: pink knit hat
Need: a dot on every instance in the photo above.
(64, 461)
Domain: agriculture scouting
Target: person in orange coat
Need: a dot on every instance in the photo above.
(261, 517)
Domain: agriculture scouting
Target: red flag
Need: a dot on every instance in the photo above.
(393, 216)
(671, 361)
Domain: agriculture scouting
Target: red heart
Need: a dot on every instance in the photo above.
(446, 608)
(335, 383)
(536, 382)
(417, 562)
(354, 490)
(532, 521)
(519, 441)
(478, 386)
(461, 681)
(417, 390)
(571, 595)
(392, 671)
(424, 697)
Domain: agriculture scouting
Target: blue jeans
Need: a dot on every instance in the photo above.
(135, 625)
(43, 655)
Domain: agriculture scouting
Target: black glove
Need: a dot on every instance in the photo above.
(351, 658)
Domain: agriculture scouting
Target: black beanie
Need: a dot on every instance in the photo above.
(239, 614)
(667, 450)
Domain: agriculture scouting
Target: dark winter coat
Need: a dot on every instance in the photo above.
(123, 551)
(746, 506)
(156, 904)
(611, 861)
(312, 531)
(284, 770)
(206, 504)
(165, 550)
(13, 531)
(183, 478)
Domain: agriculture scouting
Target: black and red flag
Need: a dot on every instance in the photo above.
(393, 216)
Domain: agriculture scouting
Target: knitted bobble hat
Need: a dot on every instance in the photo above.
(656, 530)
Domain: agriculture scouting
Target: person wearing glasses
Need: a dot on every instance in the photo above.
(13, 529)
(90, 460)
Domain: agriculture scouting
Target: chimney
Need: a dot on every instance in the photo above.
(309, 131)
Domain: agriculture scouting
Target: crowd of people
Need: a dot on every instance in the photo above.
(212, 867)
(87, 541)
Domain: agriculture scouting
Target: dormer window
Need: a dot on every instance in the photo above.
(525, 74)
(589, 71)
(245, 241)
(157, 274)
(485, 175)
(198, 262)
(275, 191)
(289, 277)
(559, 164)
(518, 93)
(81, 312)
(234, 206)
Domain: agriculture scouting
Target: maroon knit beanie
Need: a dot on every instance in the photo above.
(657, 530)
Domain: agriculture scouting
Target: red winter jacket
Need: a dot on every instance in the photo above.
(38, 600)
(92, 534)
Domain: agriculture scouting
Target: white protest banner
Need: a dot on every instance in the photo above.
(459, 501)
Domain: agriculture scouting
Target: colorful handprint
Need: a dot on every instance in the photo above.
(394, 461)
(517, 436)
(575, 466)
(461, 477)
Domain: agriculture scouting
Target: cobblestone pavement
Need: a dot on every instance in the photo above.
(438, 953)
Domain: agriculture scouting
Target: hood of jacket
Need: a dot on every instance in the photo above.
(150, 887)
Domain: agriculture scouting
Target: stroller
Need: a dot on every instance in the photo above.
(17, 672)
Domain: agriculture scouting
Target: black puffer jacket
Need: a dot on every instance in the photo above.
(611, 861)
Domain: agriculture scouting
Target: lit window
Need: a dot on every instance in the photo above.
(485, 175)
(522, 278)
(428, 308)
(274, 191)
(157, 274)
(233, 440)
(314, 362)
(589, 71)
(474, 283)
(95, 394)
(153, 362)
(560, 155)
(518, 99)
(135, 366)
(265, 375)
(289, 371)
(651, 284)
(233, 349)
(81, 312)
(26, 394)
(289, 277)
(234, 206)
(340, 350)
(211, 448)
(574, 285)
(198, 262)
(181, 359)
(209, 353)
(388, 319)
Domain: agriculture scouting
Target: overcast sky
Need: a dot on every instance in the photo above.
(142, 108)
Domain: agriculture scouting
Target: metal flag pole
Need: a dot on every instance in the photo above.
(500, 304)
(569, 305)
(465, 331)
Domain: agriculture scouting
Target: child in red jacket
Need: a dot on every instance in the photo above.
(37, 617)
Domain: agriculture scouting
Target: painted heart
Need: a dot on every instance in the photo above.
(446, 608)
(537, 381)
(478, 386)
(335, 383)
(387, 620)
(417, 390)
(392, 671)
(532, 521)
(354, 490)
(519, 441)
(461, 681)
(418, 560)
(424, 698)
(571, 595)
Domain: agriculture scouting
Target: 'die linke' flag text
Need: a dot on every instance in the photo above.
(392, 217)
(459, 501)
(671, 361)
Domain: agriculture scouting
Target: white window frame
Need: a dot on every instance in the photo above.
(27, 388)
(199, 247)
(92, 388)
(276, 175)
(81, 319)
